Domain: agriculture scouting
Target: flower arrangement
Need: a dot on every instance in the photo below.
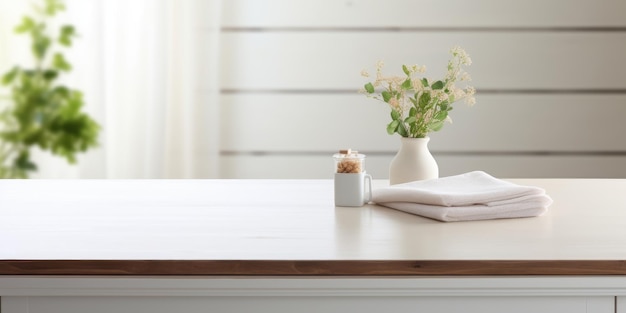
(421, 105)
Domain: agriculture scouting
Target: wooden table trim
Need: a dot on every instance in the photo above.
(312, 267)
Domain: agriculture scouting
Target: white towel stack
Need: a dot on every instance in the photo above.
(471, 196)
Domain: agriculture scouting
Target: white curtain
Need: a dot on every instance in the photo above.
(148, 69)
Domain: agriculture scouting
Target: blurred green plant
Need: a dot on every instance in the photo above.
(43, 113)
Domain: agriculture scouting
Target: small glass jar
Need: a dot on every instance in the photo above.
(353, 187)
(349, 161)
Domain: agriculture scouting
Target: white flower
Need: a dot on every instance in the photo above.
(470, 101)
(440, 94)
(456, 50)
(459, 93)
(393, 102)
(450, 76)
(364, 73)
(465, 77)
(470, 90)
(398, 79)
(417, 85)
(379, 65)
(463, 56)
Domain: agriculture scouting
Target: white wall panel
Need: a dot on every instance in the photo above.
(501, 60)
(503, 166)
(497, 123)
(424, 13)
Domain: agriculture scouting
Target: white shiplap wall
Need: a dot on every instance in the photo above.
(550, 76)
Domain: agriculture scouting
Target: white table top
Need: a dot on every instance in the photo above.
(290, 220)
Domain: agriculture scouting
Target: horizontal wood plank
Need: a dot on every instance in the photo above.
(423, 13)
(497, 123)
(331, 61)
(311, 267)
(513, 166)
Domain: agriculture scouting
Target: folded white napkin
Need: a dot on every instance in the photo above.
(471, 196)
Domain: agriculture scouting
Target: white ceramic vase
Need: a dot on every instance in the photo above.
(413, 162)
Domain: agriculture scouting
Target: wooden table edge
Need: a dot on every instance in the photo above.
(313, 267)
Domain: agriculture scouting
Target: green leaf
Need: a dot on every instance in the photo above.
(438, 85)
(413, 101)
(26, 25)
(8, 77)
(441, 115)
(67, 32)
(425, 82)
(406, 70)
(410, 119)
(424, 100)
(61, 91)
(75, 103)
(413, 112)
(402, 131)
(451, 98)
(395, 115)
(436, 126)
(386, 96)
(369, 88)
(53, 6)
(40, 46)
(23, 162)
(407, 84)
(60, 63)
(392, 127)
(50, 75)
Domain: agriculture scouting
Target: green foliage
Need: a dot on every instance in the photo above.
(438, 85)
(369, 88)
(386, 96)
(406, 85)
(43, 114)
(406, 70)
